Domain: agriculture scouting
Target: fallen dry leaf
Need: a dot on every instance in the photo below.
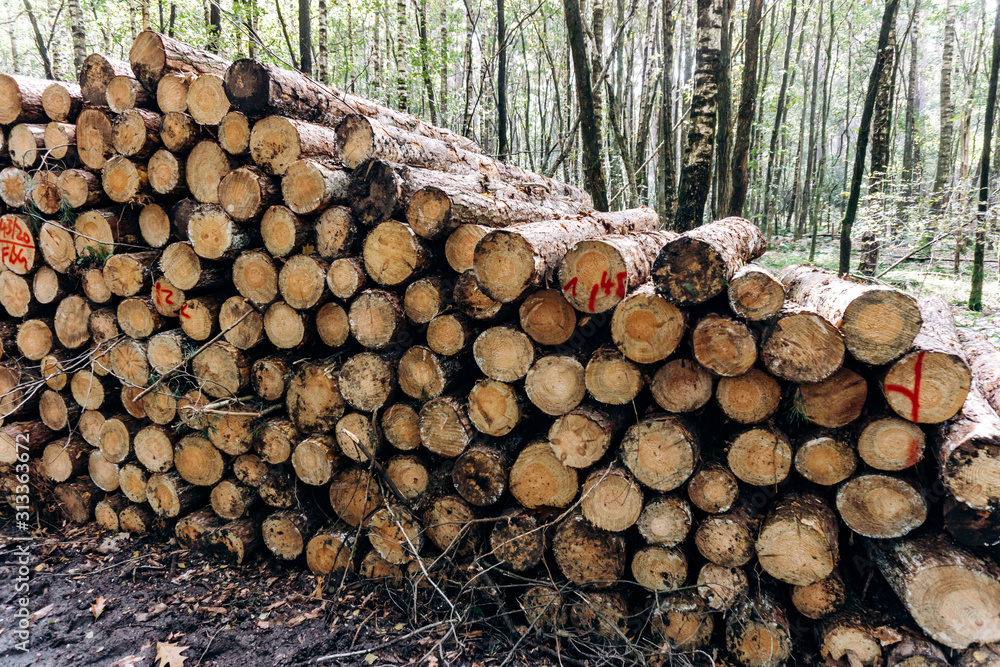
(98, 607)
(128, 661)
(169, 655)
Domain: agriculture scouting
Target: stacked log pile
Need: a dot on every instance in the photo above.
(239, 302)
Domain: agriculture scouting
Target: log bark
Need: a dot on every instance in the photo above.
(96, 73)
(984, 362)
(929, 384)
(700, 263)
(258, 89)
(924, 570)
(510, 261)
(22, 99)
(153, 56)
(878, 323)
(968, 452)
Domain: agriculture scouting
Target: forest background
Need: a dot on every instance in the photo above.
(698, 108)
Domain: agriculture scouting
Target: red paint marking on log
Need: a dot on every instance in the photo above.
(570, 284)
(166, 293)
(620, 277)
(914, 454)
(912, 394)
(593, 297)
(184, 312)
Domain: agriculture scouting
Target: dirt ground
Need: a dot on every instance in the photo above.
(262, 614)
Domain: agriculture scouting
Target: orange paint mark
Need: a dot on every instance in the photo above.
(912, 394)
(184, 312)
(913, 456)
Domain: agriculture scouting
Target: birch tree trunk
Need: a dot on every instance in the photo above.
(910, 122)
(324, 47)
(945, 137)
(78, 31)
(723, 176)
(696, 176)
(772, 151)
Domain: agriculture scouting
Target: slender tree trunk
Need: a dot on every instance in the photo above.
(646, 101)
(723, 177)
(443, 72)
(305, 37)
(910, 121)
(979, 254)
(43, 50)
(773, 146)
(807, 182)
(881, 58)
(15, 60)
(944, 159)
(402, 56)
(881, 122)
(78, 31)
(744, 117)
(324, 47)
(284, 32)
(503, 147)
(596, 65)
(668, 171)
(144, 8)
(757, 134)
(467, 71)
(170, 26)
(424, 54)
(696, 176)
(590, 137)
(55, 41)
(214, 28)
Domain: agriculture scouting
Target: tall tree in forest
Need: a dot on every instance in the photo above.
(597, 64)
(593, 173)
(443, 71)
(323, 66)
(668, 172)
(78, 31)
(723, 176)
(503, 146)
(214, 44)
(910, 121)
(943, 171)
(425, 70)
(305, 37)
(744, 116)
(979, 254)
(881, 58)
(807, 182)
(772, 154)
(402, 56)
(696, 176)
(43, 50)
(882, 122)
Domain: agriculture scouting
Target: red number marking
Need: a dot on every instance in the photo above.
(184, 312)
(912, 394)
(620, 277)
(13, 242)
(593, 297)
(606, 284)
(570, 284)
(164, 295)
